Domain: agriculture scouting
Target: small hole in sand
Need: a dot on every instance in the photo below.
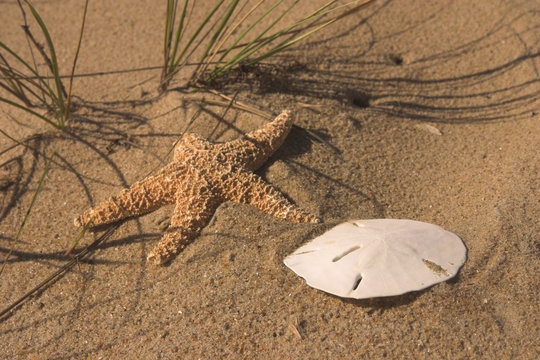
(396, 59)
(360, 99)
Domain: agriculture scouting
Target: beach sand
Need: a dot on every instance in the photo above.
(408, 109)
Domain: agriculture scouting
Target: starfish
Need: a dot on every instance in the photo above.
(201, 176)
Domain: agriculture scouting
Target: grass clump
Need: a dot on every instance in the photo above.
(224, 47)
(29, 87)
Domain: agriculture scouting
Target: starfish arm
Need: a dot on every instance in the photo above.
(191, 144)
(142, 197)
(257, 146)
(245, 187)
(193, 211)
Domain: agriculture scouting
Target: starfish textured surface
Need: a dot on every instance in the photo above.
(201, 176)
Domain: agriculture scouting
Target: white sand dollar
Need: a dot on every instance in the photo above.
(381, 257)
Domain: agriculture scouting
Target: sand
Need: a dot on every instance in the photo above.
(409, 109)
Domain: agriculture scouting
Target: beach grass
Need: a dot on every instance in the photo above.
(32, 89)
(224, 47)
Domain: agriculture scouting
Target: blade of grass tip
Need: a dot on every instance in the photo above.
(68, 99)
(178, 37)
(30, 111)
(54, 63)
(40, 183)
(78, 238)
(194, 36)
(219, 70)
(214, 37)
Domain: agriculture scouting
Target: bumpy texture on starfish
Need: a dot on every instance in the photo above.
(201, 176)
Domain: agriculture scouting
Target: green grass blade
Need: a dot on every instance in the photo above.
(170, 16)
(10, 82)
(171, 9)
(21, 89)
(15, 88)
(194, 36)
(178, 36)
(17, 142)
(249, 50)
(78, 238)
(40, 183)
(245, 52)
(33, 71)
(12, 103)
(220, 28)
(169, 23)
(68, 98)
(16, 83)
(216, 36)
(60, 95)
(203, 61)
(255, 41)
(245, 32)
(289, 43)
(223, 40)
